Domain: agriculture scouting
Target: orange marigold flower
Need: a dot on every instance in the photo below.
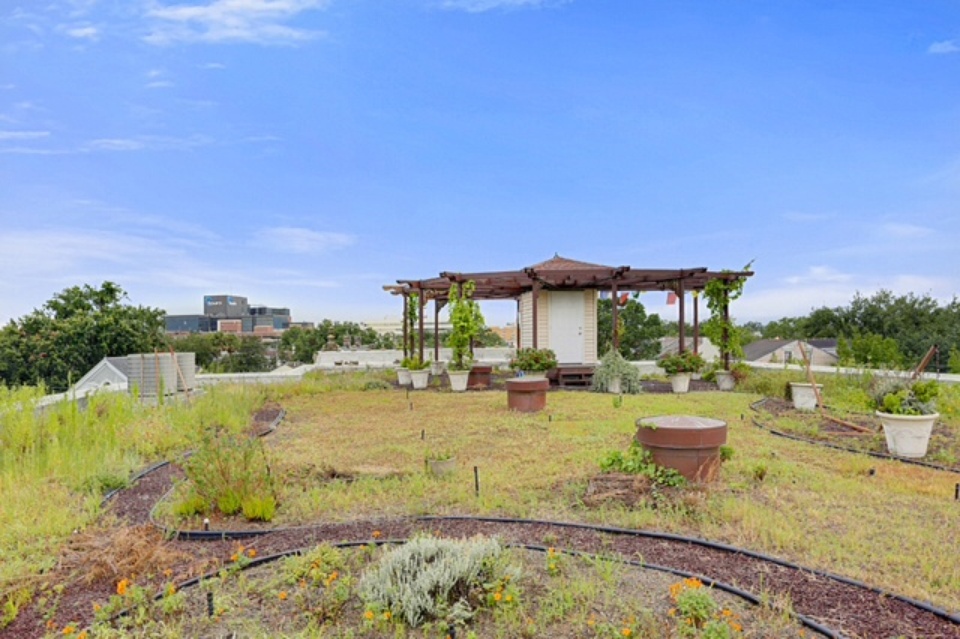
(252, 553)
(387, 614)
(97, 607)
(122, 587)
(51, 624)
(282, 595)
(626, 632)
(68, 630)
(167, 572)
(377, 534)
(234, 557)
(508, 598)
(82, 635)
(497, 596)
(368, 615)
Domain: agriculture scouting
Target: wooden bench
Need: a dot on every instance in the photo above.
(571, 376)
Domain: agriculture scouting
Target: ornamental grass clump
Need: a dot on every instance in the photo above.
(230, 472)
(431, 579)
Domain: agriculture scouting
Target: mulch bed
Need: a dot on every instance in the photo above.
(848, 609)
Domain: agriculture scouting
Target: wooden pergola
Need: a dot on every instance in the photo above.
(560, 273)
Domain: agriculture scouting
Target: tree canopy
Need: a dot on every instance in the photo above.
(59, 342)
(639, 333)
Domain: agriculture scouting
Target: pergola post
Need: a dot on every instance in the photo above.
(536, 302)
(420, 303)
(726, 330)
(519, 327)
(436, 330)
(616, 304)
(696, 322)
(406, 329)
(682, 347)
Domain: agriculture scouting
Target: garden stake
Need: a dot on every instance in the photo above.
(956, 492)
(411, 405)
(423, 434)
(476, 480)
(206, 523)
(209, 603)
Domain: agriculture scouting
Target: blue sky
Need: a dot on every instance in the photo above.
(303, 153)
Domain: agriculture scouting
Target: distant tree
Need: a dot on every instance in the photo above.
(58, 343)
(250, 356)
(639, 333)
(870, 350)
(203, 345)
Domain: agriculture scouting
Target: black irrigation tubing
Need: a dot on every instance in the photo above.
(712, 583)
(923, 605)
(797, 438)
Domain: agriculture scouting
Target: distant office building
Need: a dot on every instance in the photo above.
(231, 314)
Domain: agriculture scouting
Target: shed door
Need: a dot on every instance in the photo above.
(567, 310)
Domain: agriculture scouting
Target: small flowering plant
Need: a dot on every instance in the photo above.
(534, 360)
(699, 615)
(685, 362)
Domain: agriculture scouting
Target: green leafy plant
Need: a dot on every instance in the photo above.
(685, 362)
(721, 330)
(438, 455)
(415, 363)
(898, 397)
(639, 461)
(614, 366)
(466, 323)
(534, 360)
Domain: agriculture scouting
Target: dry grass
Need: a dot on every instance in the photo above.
(116, 553)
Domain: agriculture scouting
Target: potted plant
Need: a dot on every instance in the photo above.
(907, 412)
(440, 463)
(680, 368)
(403, 372)
(466, 322)
(534, 362)
(616, 375)
(419, 372)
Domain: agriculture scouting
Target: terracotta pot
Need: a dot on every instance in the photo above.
(907, 435)
(480, 377)
(688, 444)
(527, 395)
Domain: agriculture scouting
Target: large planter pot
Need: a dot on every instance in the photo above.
(458, 380)
(437, 368)
(527, 395)
(907, 435)
(480, 377)
(420, 379)
(403, 376)
(725, 380)
(680, 382)
(441, 467)
(804, 398)
(688, 444)
(615, 385)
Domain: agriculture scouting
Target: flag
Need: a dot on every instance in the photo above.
(671, 298)
(624, 298)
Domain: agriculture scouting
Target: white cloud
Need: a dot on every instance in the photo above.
(301, 240)
(23, 135)
(213, 65)
(943, 47)
(904, 231)
(147, 142)
(794, 216)
(479, 6)
(83, 33)
(159, 84)
(818, 274)
(254, 21)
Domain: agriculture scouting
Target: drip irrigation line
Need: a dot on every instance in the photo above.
(923, 605)
(886, 456)
(712, 583)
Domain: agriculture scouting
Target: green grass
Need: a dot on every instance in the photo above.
(818, 507)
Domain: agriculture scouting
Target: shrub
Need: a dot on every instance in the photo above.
(685, 362)
(534, 359)
(639, 461)
(613, 365)
(433, 579)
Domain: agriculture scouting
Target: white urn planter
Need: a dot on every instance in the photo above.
(458, 380)
(725, 380)
(804, 398)
(615, 385)
(680, 382)
(403, 376)
(442, 467)
(419, 379)
(907, 435)
(437, 368)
